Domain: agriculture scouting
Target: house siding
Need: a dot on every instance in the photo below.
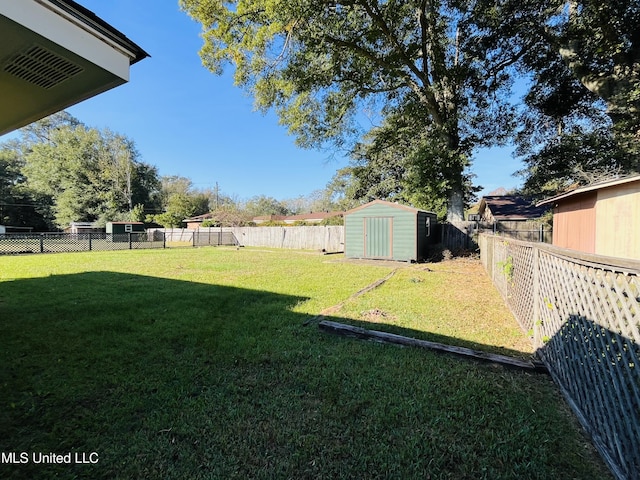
(574, 223)
(617, 221)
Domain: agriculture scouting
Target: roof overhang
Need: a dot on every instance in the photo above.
(54, 54)
(590, 188)
(387, 203)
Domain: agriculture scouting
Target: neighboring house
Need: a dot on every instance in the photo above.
(602, 218)
(313, 217)
(268, 218)
(83, 227)
(196, 222)
(221, 217)
(124, 227)
(54, 54)
(509, 208)
(316, 217)
(11, 229)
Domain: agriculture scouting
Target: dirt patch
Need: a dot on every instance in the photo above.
(375, 315)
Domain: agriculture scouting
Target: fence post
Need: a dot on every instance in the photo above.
(42, 243)
(164, 240)
(129, 240)
(90, 246)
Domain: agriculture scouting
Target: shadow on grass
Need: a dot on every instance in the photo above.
(169, 379)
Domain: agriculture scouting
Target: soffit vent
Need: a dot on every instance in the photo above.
(41, 67)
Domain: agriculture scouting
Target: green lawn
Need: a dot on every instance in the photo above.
(195, 363)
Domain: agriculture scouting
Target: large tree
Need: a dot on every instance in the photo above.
(263, 205)
(84, 174)
(18, 207)
(583, 116)
(600, 43)
(179, 200)
(320, 63)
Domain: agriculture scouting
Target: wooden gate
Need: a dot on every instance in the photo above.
(378, 237)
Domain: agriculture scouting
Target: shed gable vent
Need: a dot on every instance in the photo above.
(41, 67)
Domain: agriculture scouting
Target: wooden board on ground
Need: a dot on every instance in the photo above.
(358, 332)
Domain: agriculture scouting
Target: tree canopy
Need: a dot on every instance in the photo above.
(65, 172)
(321, 64)
(583, 117)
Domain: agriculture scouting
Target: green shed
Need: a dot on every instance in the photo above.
(390, 231)
(120, 228)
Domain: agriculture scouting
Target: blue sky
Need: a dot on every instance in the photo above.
(187, 121)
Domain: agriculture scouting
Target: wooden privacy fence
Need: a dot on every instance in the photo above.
(325, 238)
(582, 313)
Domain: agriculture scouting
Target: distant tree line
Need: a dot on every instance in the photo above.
(60, 170)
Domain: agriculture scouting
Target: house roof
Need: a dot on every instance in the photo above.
(270, 218)
(590, 188)
(312, 216)
(385, 202)
(511, 207)
(91, 19)
(54, 54)
(199, 218)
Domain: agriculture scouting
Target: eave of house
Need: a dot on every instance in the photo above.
(54, 54)
(589, 188)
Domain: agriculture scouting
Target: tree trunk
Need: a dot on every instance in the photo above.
(455, 207)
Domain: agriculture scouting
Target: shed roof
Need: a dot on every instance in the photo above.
(387, 203)
(511, 207)
(591, 188)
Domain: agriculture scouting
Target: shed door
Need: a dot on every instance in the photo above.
(378, 234)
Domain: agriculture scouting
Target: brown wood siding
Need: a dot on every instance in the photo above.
(574, 223)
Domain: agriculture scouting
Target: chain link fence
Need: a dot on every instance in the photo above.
(23, 243)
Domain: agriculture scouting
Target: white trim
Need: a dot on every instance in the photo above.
(590, 188)
(70, 33)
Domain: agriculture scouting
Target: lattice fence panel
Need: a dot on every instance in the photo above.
(590, 322)
(520, 298)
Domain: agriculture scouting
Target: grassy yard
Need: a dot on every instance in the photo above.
(195, 363)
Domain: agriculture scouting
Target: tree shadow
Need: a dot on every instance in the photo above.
(174, 379)
(597, 370)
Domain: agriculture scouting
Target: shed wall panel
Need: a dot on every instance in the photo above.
(353, 236)
(618, 221)
(404, 236)
(574, 223)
